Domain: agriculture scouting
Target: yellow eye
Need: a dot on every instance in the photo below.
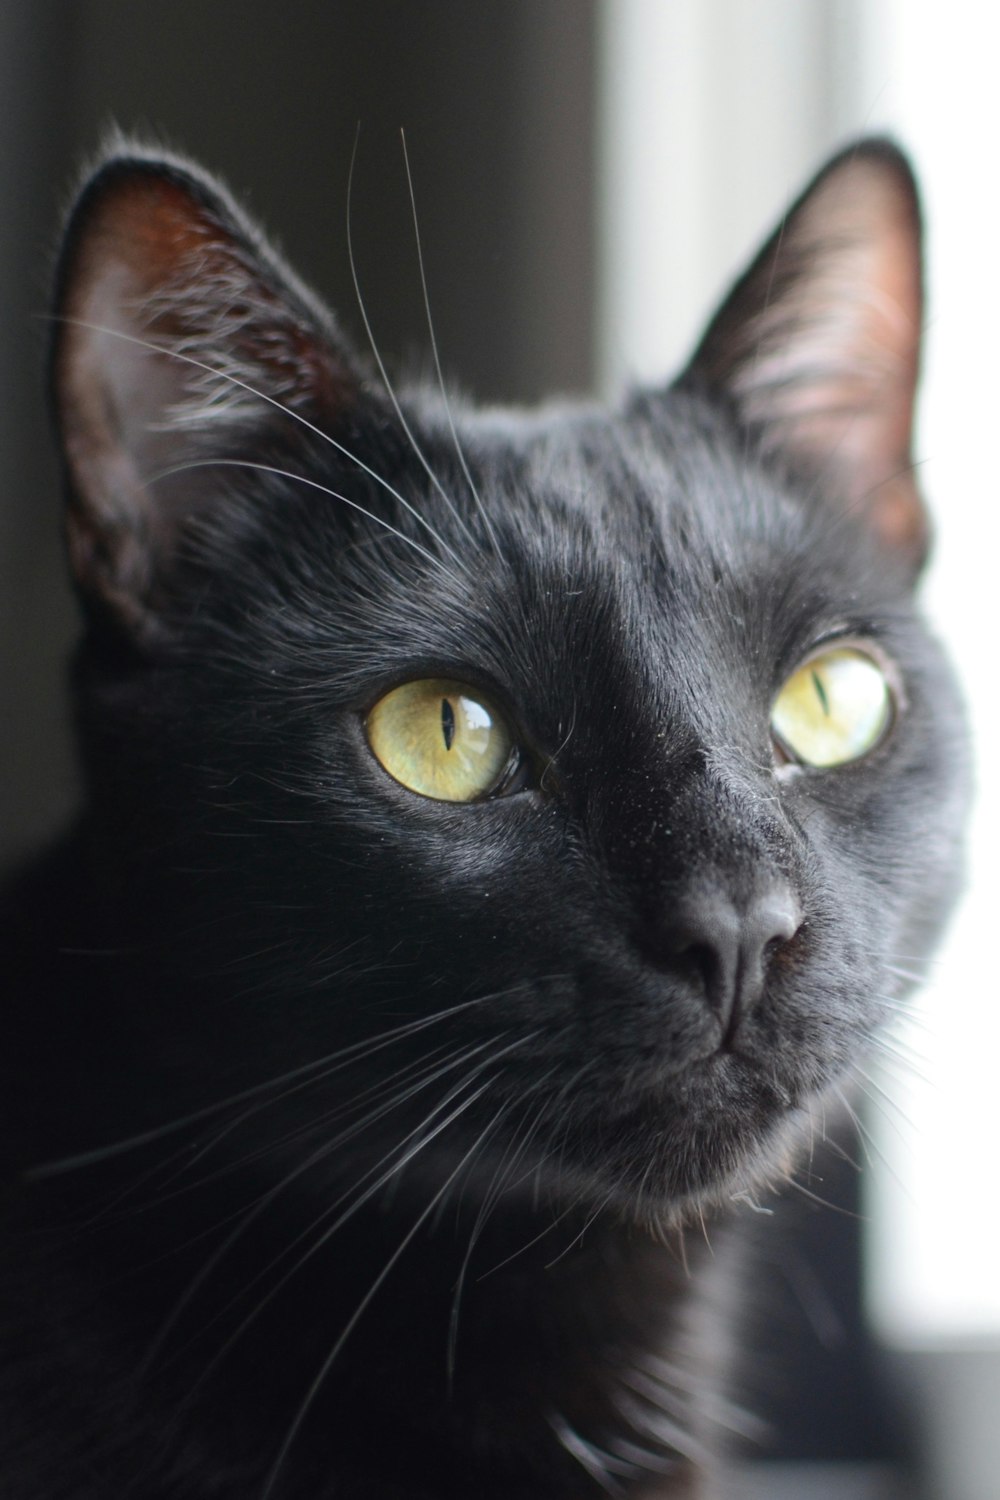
(437, 739)
(834, 709)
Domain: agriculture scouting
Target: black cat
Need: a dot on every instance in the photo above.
(503, 834)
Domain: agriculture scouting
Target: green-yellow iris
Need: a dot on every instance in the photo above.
(835, 708)
(441, 739)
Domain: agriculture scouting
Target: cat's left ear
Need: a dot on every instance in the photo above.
(817, 346)
(181, 342)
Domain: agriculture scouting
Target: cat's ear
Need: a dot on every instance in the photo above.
(179, 337)
(818, 343)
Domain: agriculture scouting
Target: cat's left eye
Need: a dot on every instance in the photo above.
(834, 709)
(442, 739)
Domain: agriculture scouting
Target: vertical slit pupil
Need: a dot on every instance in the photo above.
(447, 723)
(821, 693)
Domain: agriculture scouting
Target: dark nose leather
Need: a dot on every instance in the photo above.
(728, 944)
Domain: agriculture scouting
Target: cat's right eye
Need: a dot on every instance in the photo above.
(834, 709)
(441, 739)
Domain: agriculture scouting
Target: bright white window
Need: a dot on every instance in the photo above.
(935, 1254)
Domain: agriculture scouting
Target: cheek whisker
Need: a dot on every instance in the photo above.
(365, 1301)
(317, 1069)
(887, 1107)
(404, 1150)
(512, 1154)
(825, 1203)
(419, 1073)
(322, 1154)
(866, 1139)
(907, 975)
(901, 1058)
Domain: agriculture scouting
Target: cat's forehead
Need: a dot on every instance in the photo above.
(664, 487)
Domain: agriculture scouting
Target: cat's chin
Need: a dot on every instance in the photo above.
(745, 1171)
(731, 1135)
(662, 1161)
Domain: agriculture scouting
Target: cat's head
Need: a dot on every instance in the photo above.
(589, 772)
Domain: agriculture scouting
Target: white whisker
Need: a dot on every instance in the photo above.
(356, 1316)
(313, 484)
(437, 360)
(390, 392)
(288, 411)
(332, 1061)
(323, 1152)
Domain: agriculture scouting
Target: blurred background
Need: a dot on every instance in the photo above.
(588, 174)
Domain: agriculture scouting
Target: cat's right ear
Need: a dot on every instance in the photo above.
(817, 347)
(179, 338)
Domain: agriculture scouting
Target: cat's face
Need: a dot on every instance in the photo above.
(596, 767)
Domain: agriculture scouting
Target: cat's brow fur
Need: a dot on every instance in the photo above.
(352, 1138)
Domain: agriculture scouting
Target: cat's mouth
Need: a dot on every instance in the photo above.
(663, 1144)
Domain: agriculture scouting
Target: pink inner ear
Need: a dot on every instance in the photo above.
(160, 263)
(155, 227)
(180, 338)
(821, 346)
(116, 395)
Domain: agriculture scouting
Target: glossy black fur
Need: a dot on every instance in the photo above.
(249, 896)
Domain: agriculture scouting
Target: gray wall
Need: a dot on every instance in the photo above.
(36, 779)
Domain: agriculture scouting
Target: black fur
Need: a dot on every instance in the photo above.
(299, 1063)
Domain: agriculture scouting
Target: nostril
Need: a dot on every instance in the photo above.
(772, 922)
(726, 947)
(704, 964)
(703, 941)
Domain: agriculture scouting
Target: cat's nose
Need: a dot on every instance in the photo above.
(727, 945)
